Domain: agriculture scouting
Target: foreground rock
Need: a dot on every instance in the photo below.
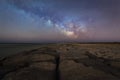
(83, 64)
(64, 62)
(36, 71)
(31, 65)
(70, 70)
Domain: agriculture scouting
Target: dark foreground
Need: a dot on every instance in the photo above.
(64, 62)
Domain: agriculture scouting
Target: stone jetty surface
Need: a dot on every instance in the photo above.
(64, 62)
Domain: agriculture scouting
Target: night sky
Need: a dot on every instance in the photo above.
(59, 20)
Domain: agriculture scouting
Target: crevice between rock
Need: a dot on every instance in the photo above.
(57, 74)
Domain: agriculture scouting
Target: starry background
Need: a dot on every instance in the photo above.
(59, 20)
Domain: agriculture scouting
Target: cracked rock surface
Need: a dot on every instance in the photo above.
(64, 62)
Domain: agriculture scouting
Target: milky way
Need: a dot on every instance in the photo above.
(69, 25)
(59, 20)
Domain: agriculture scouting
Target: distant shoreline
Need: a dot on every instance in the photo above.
(68, 43)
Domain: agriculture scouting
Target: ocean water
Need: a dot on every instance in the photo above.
(10, 49)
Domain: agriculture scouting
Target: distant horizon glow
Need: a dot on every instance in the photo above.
(59, 21)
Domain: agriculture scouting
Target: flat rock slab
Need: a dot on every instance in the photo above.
(70, 70)
(28, 66)
(36, 71)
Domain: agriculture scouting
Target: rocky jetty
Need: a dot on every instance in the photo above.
(64, 62)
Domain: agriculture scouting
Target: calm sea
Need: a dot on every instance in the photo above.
(10, 49)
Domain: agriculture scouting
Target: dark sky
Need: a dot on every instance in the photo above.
(59, 20)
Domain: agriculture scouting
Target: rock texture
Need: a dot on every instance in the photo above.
(64, 62)
(31, 65)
